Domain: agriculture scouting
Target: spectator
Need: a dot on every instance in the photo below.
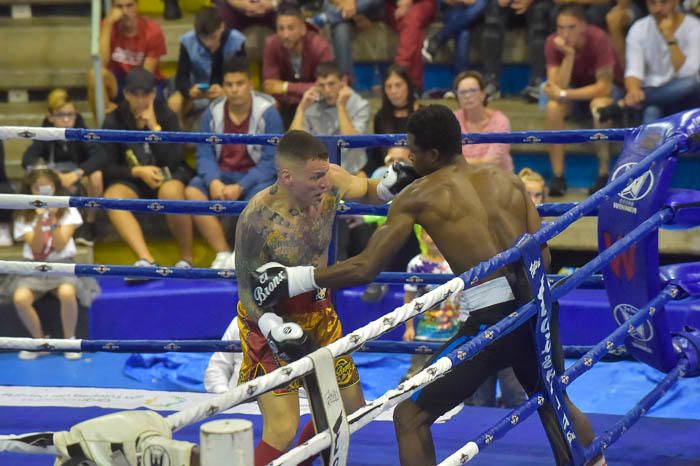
(290, 59)
(48, 236)
(5, 215)
(222, 371)
(434, 325)
(241, 14)
(534, 185)
(233, 171)
(199, 67)
(618, 20)
(458, 18)
(146, 170)
(663, 63)
(582, 74)
(409, 18)
(343, 16)
(127, 40)
(475, 117)
(498, 15)
(73, 161)
(398, 103)
(332, 108)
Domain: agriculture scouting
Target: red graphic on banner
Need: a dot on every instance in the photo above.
(625, 260)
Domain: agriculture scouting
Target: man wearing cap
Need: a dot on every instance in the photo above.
(127, 40)
(146, 169)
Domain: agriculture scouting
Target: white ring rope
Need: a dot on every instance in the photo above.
(344, 345)
(36, 268)
(32, 132)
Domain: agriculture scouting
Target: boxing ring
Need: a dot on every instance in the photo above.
(630, 209)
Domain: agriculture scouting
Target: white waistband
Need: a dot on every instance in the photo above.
(487, 294)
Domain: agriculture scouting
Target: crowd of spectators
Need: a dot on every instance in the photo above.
(594, 60)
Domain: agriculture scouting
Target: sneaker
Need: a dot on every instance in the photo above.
(374, 293)
(172, 10)
(72, 356)
(136, 280)
(221, 260)
(5, 235)
(85, 234)
(29, 355)
(318, 20)
(611, 112)
(557, 187)
(449, 95)
(599, 184)
(531, 93)
(431, 46)
(183, 264)
(492, 92)
(231, 262)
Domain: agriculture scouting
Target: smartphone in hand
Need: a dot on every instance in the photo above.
(202, 86)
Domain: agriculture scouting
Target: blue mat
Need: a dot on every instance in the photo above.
(652, 441)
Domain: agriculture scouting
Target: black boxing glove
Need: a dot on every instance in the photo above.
(396, 177)
(272, 283)
(287, 339)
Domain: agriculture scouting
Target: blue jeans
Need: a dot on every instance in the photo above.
(675, 96)
(341, 30)
(229, 178)
(457, 23)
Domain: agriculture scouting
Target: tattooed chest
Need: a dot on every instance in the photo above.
(300, 241)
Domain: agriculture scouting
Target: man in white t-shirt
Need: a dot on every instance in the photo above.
(222, 371)
(663, 61)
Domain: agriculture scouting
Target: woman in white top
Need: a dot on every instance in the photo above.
(48, 237)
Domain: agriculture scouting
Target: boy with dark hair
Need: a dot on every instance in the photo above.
(203, 51)
(332, 108)
(233, 171)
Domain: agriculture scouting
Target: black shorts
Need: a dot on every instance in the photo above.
(143, 191)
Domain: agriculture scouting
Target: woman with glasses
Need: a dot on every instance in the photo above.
(73, 161)
(475, 117)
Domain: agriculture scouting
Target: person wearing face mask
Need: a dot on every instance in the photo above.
(203, 52)
(146, 170)
(73, 161)
(48, 237)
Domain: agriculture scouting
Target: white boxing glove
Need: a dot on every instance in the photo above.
(397, 176)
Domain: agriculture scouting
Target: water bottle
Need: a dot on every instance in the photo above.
(376, 80)
(543, 99)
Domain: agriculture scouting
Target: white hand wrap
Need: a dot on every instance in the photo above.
(301, 279)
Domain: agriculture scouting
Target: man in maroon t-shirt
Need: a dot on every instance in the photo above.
(290, 59)
(127, 40)
(582, 76)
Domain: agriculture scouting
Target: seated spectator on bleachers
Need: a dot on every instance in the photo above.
(410, 18)
(73, 161)
(595, 11)
(458, 18)
(47, 234)
(582, 76)
(534, 185)
(475, 117)
(5, 215)
(146, 170)
(343, 16)
(233, 172)
(290, 59)
(662, 74)
(500, 14)
(203, 51)
(241, 14)
(399, 101)
(618, 21)
(127, 40)
(332, 108)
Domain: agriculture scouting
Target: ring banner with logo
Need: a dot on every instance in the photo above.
(632, 278)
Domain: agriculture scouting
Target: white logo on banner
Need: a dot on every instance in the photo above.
(637, 188)
(624, 312)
